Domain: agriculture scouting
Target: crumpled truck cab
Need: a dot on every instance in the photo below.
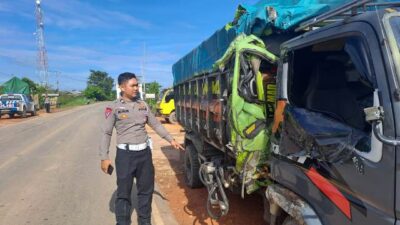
(336, 127)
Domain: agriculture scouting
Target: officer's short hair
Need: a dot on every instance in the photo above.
(124, 77)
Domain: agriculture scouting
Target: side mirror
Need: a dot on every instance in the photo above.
(375, 116)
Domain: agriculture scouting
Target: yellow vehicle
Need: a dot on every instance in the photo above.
(166, 106)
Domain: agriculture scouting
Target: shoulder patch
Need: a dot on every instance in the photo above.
(108, 112)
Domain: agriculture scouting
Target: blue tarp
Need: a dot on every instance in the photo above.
(202, 58)
(257, 19)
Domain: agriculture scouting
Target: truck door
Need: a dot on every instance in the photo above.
(29, 102)
(391, 21)
(331, 157)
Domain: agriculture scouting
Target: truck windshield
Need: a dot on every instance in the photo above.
(10, 97)
(393, 27)
(161, 95)
(395, 23)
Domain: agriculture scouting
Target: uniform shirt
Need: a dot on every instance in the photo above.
(129, 119)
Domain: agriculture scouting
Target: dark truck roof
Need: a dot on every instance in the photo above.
(372, 17)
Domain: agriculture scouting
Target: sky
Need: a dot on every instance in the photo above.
(114, 36)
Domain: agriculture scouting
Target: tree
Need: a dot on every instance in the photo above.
(95, 92)
(152, 88)
(102, 80)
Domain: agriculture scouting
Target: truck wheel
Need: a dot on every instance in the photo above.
(23, 114)
(172, 117)
(290, 221)
(11, 115)
(192, 167)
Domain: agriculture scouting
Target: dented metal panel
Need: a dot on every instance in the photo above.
(292, 204)
(312, 134)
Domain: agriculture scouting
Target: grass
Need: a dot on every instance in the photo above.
(66, 101)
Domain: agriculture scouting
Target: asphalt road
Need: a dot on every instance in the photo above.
(50, 175)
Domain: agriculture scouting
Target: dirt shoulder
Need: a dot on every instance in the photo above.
(189, 205)
(6, 120)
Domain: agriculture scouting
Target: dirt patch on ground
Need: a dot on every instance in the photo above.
(189, 205)
(6, 120)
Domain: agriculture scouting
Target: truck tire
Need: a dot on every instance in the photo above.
(23, 114)
(172, 117)
(11, 115)
(192, 167)
(290, 221)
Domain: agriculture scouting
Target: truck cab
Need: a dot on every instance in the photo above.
(166, 106)
(336, 137)
(328, 154)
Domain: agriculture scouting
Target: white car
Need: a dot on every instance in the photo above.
(21, 104)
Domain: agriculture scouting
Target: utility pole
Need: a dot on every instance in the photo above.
(143, 70)
(57, 74)
(42, 66)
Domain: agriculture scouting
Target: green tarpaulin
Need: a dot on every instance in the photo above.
(15, 86)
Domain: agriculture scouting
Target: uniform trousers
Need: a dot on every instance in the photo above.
(130, 165)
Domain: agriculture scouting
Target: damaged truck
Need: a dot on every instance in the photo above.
(298, 101)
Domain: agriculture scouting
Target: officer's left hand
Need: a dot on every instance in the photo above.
(176, 145)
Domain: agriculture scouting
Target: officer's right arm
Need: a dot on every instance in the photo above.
(107, 129)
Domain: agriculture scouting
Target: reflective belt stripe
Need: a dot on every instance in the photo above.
(137, 147)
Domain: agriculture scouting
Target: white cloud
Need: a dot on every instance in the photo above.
(186, 25)
(24, 8)
(4, 7)
(128, 19)
(74, 14)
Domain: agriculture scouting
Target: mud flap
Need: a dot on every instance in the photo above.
(292, 204)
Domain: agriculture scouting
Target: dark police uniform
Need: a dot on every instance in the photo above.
(133, 159)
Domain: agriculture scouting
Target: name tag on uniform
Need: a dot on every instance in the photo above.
(122, 110)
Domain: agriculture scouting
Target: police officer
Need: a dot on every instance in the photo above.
(129, 115)
(47, 103)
